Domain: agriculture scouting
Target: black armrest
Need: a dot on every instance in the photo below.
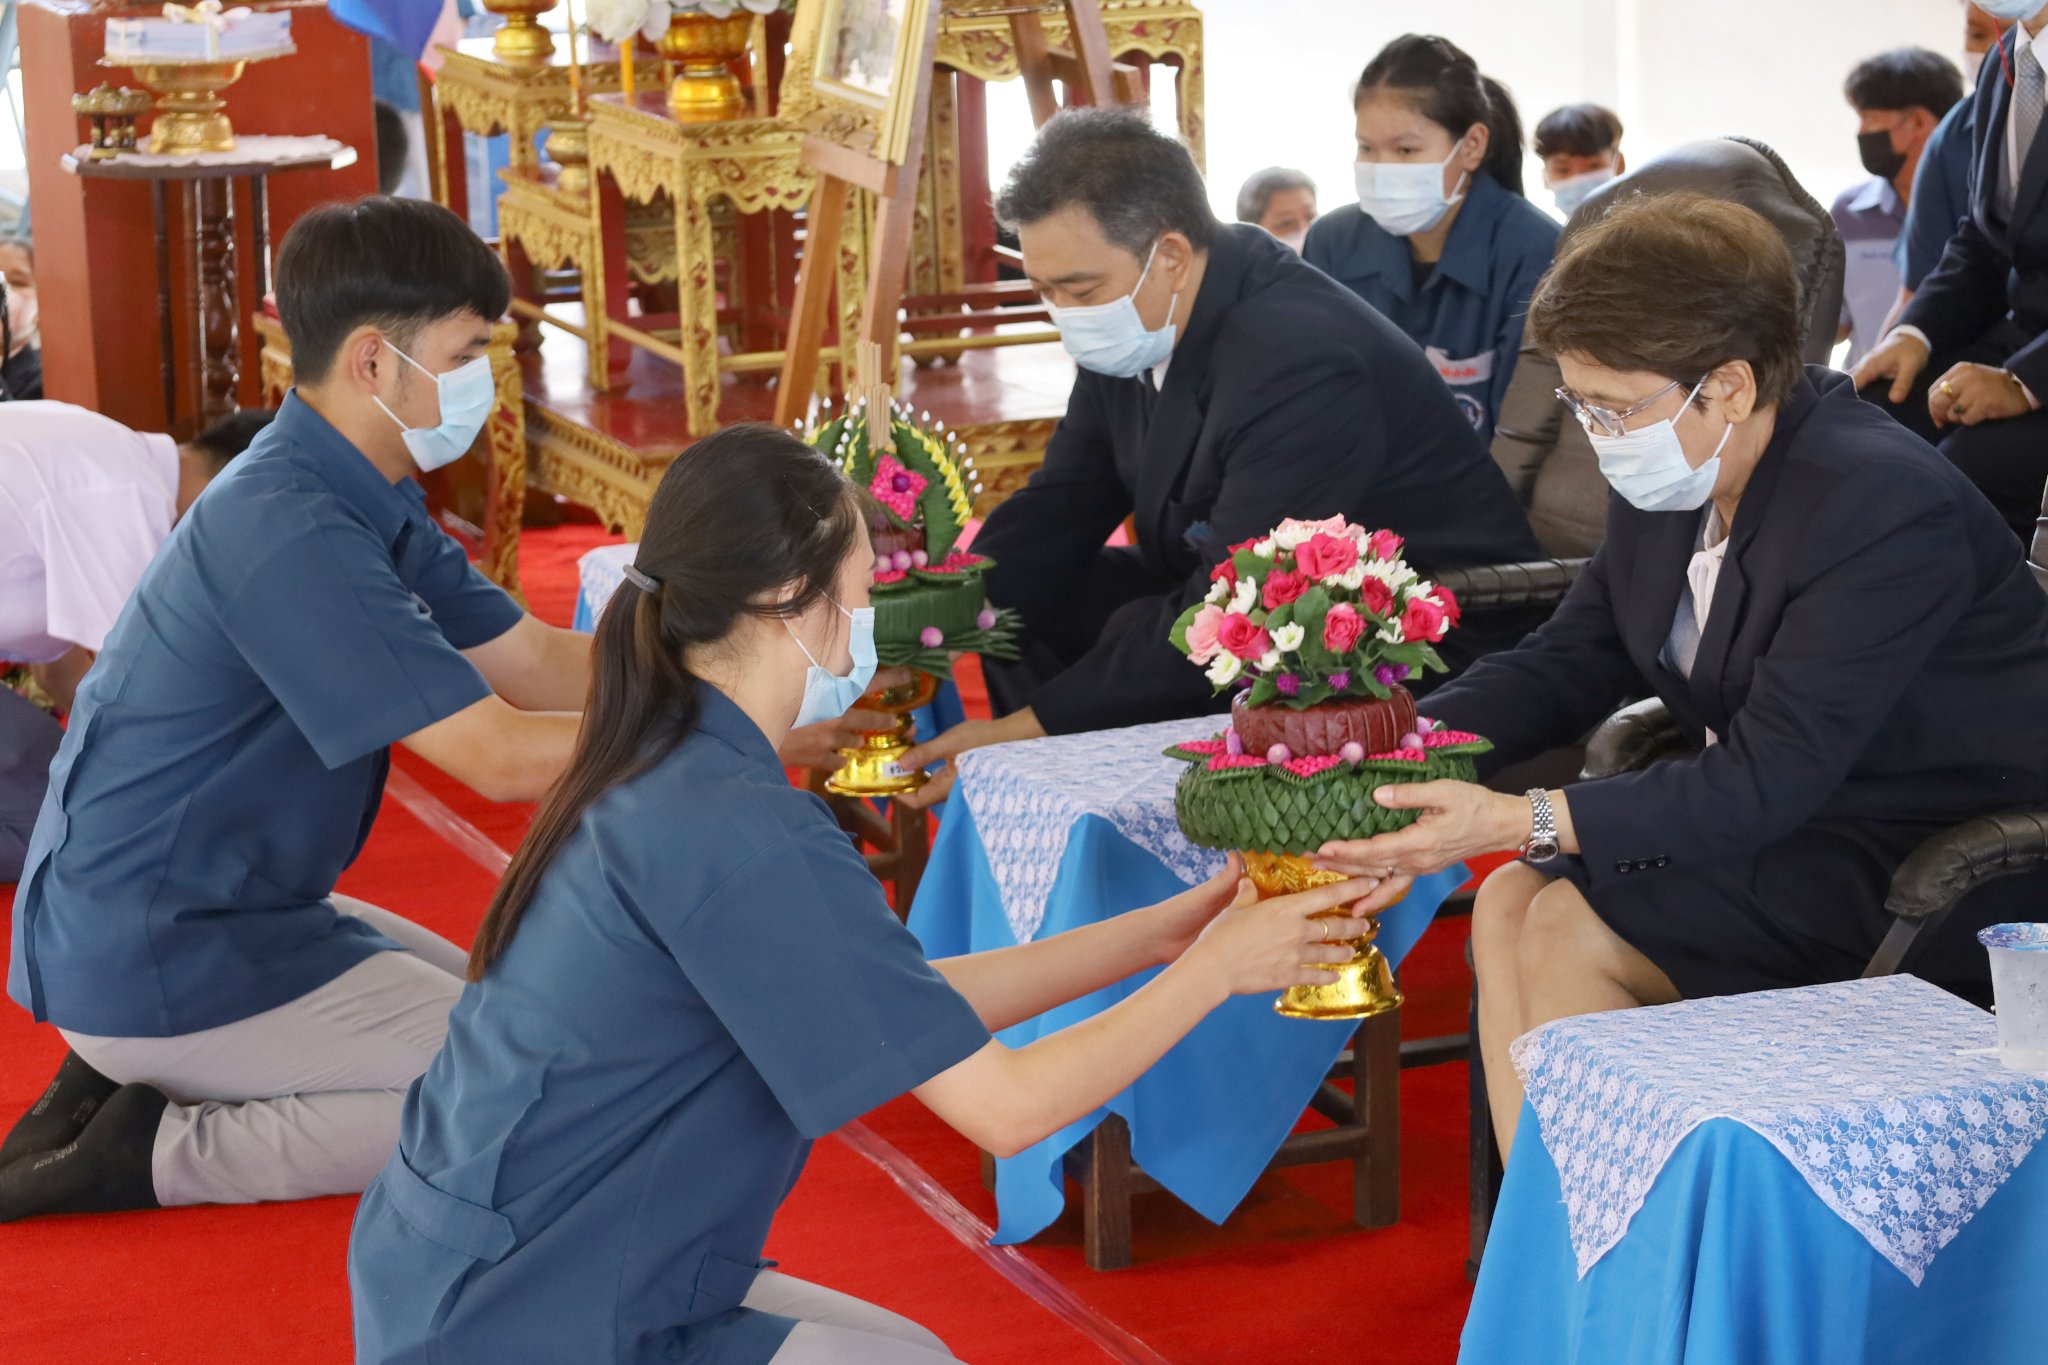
(1630, 740)
(1535, 583)
(1955, 862)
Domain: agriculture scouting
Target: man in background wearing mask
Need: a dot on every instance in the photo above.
(1941, 185)
(1225, 385)
(238, 1032)
(1967, 365)
(1899, 97)
(1580, 148)
(1281, 201)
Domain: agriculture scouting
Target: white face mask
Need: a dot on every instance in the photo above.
(1406, 199)
(1649, 469)
(1293, 241)
(1110, 338)
(466, 395)
(1571, 191)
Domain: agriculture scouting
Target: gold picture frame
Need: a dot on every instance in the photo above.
(868, 52)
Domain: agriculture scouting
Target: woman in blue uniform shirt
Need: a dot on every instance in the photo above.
(1441, 239)
(689, 973)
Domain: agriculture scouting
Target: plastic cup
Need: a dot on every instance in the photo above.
(2019, 985)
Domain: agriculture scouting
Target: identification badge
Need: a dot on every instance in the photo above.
(1468, 379)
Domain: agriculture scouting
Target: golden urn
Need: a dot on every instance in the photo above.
(703, 48)
(522, 41)
(568, 146)
(1357, 989)
(874, 766)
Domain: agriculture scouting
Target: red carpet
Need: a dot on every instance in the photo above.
(1287, 1278)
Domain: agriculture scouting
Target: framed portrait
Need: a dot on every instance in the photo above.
(869, 52)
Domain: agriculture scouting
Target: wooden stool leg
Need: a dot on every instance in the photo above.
(1376, 1081)
(1106, 1196)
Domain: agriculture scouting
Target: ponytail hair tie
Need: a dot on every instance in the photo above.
(640, 580)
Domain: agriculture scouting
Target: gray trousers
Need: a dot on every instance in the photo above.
(838, 1329)
(301, 1100)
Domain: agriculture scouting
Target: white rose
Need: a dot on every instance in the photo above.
(1224, 668)
(1219, 593)
(1288, 638)
(1246, 596)
(1269, 661)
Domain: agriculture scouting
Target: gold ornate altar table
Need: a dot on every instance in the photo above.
(476, 93)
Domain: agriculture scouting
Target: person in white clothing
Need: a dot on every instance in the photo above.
(84, 504)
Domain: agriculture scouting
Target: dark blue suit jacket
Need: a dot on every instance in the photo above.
(1994, 266)
(1287, 397)
(1876, 650)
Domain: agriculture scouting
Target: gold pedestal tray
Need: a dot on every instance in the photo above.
(1357, 989)
(523, 39)
(188, 104)
(705, 90)
(873, 767)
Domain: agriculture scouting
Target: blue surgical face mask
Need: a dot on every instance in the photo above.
(2010, 10)
(827, 695)
(1649, 469)
(1110, 338)
(466, 395)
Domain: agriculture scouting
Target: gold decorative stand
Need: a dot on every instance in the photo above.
(1357, 989)
(873, 768)
(189, 117)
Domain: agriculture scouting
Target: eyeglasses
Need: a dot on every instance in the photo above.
(1606, 421)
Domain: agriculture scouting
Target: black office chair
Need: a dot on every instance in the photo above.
(1547, 459)
(1929, 884)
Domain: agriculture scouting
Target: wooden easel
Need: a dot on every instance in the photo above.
(1088, 73)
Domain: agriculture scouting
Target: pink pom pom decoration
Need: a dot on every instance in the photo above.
(931, 637)
(919, 558)
(1279, 753)
(1352, 752)
(986, 620)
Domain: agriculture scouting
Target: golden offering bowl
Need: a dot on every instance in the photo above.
(1357, 989)
(188, 105)
(705, 90)
(873, 767)
(522, 41)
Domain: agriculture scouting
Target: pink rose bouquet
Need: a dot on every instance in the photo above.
(1316, 610)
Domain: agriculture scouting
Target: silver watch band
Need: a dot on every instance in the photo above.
(1542, 845)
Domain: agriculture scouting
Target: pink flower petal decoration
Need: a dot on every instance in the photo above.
(890, 575)
(1224, 762)
(896, 487)
(1202, 746)
(1398, 756)
(1311, 765)
(1436, 739)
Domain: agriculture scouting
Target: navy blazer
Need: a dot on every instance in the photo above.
(1993, 266)
(1287, 397)
(1876, 650)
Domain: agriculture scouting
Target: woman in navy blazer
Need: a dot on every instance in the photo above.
(1870, 666)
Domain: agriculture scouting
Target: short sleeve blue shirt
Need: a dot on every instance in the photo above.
(1468, 315)
(228, 750)
(706, 979)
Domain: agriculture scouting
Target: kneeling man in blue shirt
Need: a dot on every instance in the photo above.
(239, 1032)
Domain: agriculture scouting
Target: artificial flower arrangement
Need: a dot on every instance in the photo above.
(1315, 626)
(928, 593)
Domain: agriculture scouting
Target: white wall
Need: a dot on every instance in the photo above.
(1280, 74)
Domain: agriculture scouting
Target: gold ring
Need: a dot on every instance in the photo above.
(1322, 931)
(1947, 388)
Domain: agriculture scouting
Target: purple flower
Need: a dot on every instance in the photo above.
(1279, 754)
(1287, 685)
(1400, 672)
(1340, 680)
(1244, 680)
(931, 637)
(1384, 675)
(986, 620)
(1233, 743)
(901, 483)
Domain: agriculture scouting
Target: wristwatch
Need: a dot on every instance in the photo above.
(1542, 845)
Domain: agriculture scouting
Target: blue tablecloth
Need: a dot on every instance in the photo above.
(1732, 1261)
(1209, 1115)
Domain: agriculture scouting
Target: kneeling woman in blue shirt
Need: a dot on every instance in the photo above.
(689, 973)
(1441, 239)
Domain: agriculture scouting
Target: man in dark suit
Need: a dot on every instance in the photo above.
(1225, 386)
(1968, 362)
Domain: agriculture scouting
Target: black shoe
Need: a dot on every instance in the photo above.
(104, 1170)
(61, 1114)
